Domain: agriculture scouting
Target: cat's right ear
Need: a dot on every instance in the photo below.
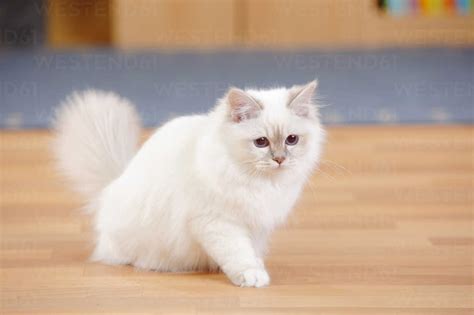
(241, 105)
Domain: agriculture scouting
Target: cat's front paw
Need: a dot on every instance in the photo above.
(253, 277)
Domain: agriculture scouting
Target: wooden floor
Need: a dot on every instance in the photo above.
(386, 227)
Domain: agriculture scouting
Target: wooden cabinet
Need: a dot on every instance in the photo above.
(348, 23)
(75, 23)
(207, 24)
(174, 23)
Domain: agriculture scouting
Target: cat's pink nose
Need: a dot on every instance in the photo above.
(279, 159)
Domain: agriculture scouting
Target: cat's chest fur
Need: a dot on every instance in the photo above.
(262, 204)
(274, 203)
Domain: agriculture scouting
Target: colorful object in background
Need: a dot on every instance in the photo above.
(465, 6)
(426, 7)
(399, 7)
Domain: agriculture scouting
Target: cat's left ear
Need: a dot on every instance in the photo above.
(301, 101)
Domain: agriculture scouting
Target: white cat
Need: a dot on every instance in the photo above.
(205, 191)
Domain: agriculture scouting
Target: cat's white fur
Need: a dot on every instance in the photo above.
(198, 195)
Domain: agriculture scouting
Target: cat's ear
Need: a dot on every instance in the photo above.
(301, 101)
(241, 105)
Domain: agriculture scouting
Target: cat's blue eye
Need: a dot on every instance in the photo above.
(261, 142)
(292, 140)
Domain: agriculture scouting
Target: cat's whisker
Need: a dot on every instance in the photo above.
(319, 170)
(336, 165)
(312, 187)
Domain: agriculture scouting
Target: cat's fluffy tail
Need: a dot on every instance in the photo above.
(97, 133)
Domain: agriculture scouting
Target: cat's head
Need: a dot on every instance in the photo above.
(273, 131)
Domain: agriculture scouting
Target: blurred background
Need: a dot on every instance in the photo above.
(385, 226)
(385, 61)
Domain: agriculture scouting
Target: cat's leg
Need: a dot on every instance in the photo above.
(230, 246)
(108, 252)
(260, 243)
